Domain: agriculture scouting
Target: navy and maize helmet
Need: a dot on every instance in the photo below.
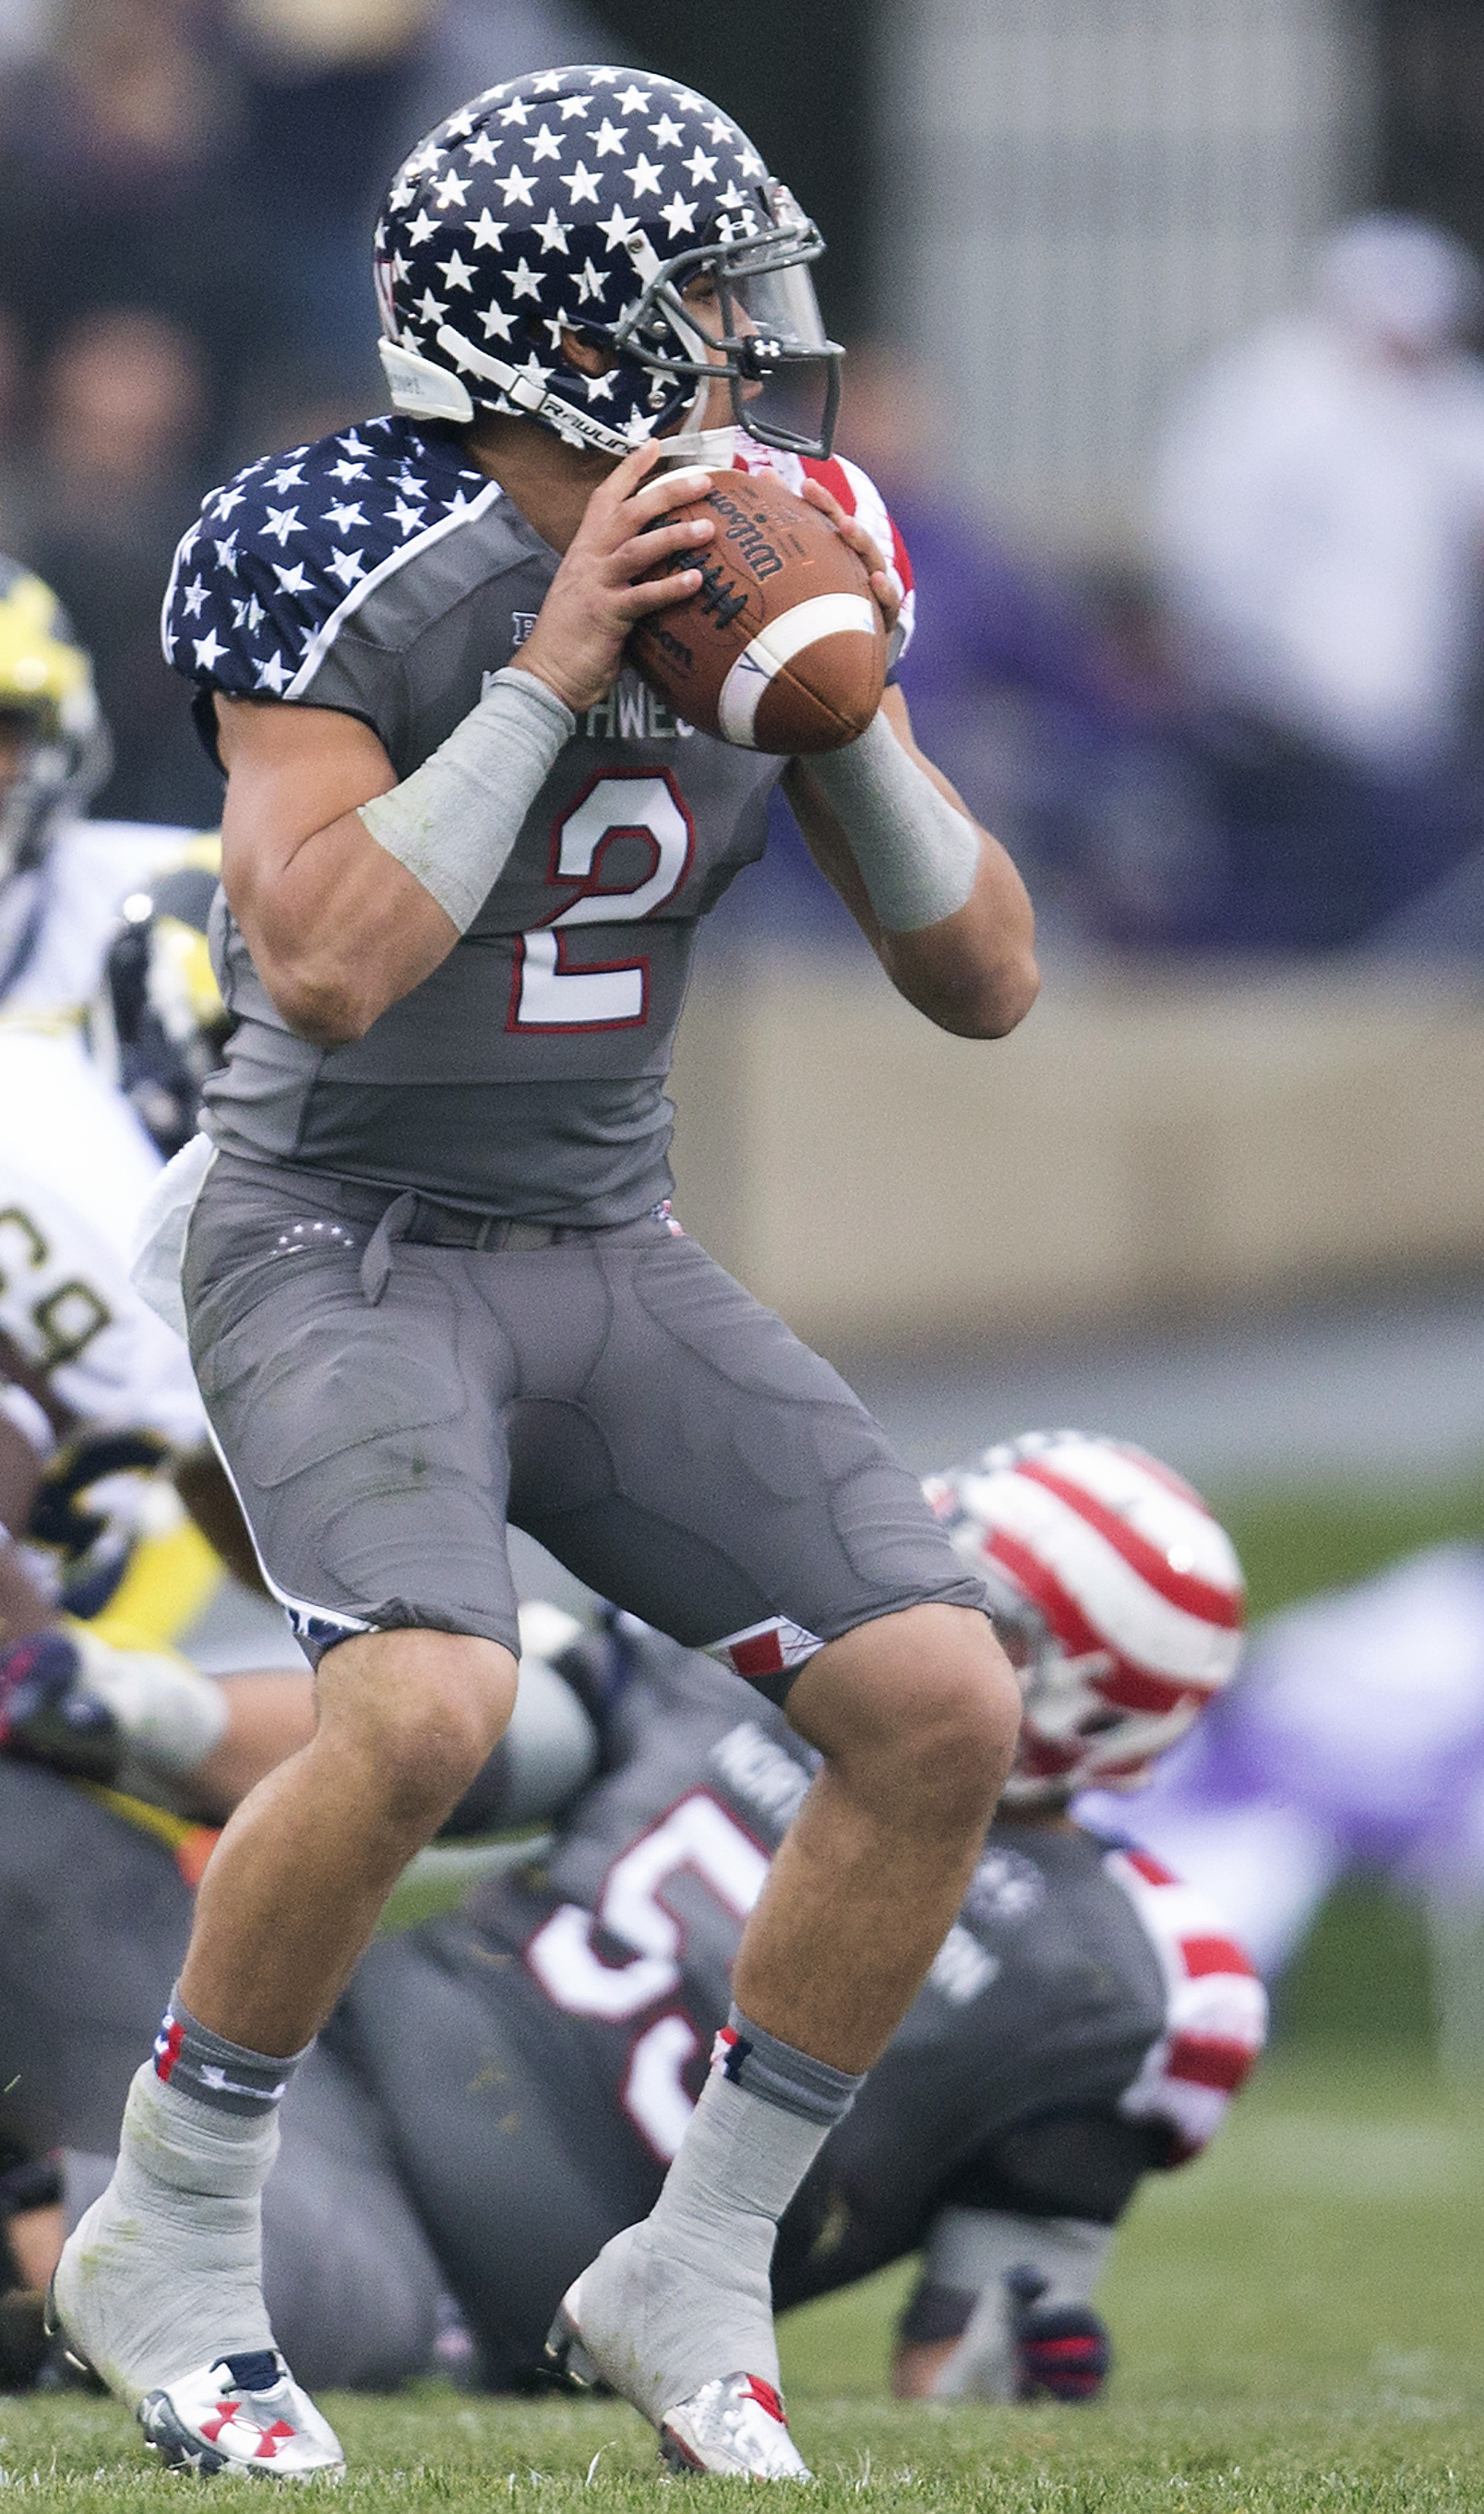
(629, 211)
(46, 688)
(159, 1027)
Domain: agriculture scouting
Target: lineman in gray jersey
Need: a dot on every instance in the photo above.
(501, 2091)
(431, 1279)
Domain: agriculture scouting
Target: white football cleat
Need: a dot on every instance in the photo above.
(242, 2413)
(735, 2425)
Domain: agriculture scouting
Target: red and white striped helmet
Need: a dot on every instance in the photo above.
(1126, 1594)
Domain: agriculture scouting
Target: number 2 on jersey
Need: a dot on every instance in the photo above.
(610, 994)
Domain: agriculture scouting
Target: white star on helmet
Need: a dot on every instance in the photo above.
(486, 231)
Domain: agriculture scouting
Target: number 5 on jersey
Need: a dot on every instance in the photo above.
(698, 1838)
(607, 995)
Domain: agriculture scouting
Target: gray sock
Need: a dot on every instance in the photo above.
(225, 2076)
(765, 2112)
(686, 2294)
(753, 2058)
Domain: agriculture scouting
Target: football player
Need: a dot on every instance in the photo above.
(501, 2091)
(100, 1569)
(432, 1275)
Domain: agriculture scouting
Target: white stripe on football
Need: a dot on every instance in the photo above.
(792, 634)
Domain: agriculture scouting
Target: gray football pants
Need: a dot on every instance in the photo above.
(385, 1409)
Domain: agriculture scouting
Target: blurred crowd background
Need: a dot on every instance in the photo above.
(1163, 319)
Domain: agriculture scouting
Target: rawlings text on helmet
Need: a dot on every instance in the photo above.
(625, 210)
(1125, 1592)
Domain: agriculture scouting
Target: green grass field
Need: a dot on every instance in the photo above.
(1297, 2318)
(1297, 2322)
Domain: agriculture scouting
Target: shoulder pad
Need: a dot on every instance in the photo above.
(294, 543)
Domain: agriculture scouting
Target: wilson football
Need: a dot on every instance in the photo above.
(783, 648)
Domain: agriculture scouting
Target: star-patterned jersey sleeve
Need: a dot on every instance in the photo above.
(292, 548)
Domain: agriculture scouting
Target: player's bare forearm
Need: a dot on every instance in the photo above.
(24, 1608)
(337, 927)
(975, 972)
(20, 1472)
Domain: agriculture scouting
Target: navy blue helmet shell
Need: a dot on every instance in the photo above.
(589, 201)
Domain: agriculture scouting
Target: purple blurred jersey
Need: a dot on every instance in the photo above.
(1355, 1736)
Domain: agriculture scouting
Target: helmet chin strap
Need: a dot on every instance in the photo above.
(713, 448)
(528, 395)
(710, 449)
(423, 391)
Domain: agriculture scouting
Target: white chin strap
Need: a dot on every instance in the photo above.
(713, 449)
(425, 391)
(419, 388)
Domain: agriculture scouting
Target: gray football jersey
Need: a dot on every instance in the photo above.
(1055, 1991)
(378, 573)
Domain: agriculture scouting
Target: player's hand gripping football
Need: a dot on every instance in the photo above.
(576, 646)
(884, 585)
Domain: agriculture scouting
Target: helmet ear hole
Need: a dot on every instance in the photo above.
(587, 350)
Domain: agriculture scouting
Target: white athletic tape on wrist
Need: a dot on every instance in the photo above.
(454, 822)
(918, 857)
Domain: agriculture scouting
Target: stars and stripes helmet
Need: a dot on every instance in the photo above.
(591, 201)
(1114, 1588)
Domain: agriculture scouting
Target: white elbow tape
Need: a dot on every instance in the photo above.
(454, 822)
(918, 857)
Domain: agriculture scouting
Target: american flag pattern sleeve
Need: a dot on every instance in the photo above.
(293, 545)
(1215, 2009)
(292, 548)
(860, 498)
